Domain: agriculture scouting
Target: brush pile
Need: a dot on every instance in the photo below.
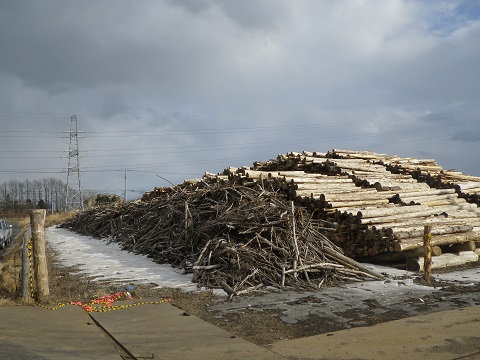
(229, 236)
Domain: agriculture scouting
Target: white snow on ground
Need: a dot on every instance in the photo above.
(468, 276)
(101, 261)
(461, 277)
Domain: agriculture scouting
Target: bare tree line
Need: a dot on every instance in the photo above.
(47, 193)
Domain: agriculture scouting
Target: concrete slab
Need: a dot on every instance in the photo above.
(398, 294)
(452, 334)
(162, 331)
(33, 333)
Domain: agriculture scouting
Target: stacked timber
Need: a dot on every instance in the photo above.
(454, 218)
(378, 213)
(157, 192)
(469, 190)
(429, 172)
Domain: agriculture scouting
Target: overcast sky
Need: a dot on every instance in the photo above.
(171, 89)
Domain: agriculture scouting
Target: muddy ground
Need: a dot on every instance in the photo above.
(271, 315)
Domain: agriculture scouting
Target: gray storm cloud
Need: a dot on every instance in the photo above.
(176, 88)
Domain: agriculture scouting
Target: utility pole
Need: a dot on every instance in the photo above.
(125, 184)
(125, 189)
(73, 191)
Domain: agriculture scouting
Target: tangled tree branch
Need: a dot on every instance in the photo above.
(233, 237)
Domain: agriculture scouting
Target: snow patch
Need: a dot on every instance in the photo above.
(102, 261)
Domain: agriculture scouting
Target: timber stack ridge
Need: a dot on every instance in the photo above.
(374, 206)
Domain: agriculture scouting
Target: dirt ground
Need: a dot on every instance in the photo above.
(248, 317)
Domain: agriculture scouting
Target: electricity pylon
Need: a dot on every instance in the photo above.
(73, 191)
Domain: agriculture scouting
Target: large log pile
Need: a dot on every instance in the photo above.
(379, 211)
(230, 236)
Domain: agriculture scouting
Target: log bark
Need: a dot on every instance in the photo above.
(359, 203)
(353, 264)
(401, 217)
(359, 195)
(345, 167)
(471, 191)
(37, 221)
(399, 187)
(386, 175)
(401, 255)
(469, 185)
(443, 202)
(464, 212)
(425, 192)
(387, 180)
(450, 210)
(417, 223)
(318, 192)
(427, 197)
(468, 246)
(443, 261)
(414, 243)
(301, 174)
(426, 168)
(356, 153)
(252, 174)
(322, 184)
(427, 248)
(389, 211)
(437, 230)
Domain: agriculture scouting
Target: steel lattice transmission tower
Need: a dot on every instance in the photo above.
(73, 191)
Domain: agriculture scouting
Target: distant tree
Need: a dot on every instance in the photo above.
(16, 206)
(41, 204)
(28, 190)
(105, 198)
(37, 190)
(28, 204)
(7, 202)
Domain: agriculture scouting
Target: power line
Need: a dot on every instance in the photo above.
(313, 141)
(216, 130)
(233, 146)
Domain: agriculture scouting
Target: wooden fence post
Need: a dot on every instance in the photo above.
(26, 293)
(427, 265)
(37, 222)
